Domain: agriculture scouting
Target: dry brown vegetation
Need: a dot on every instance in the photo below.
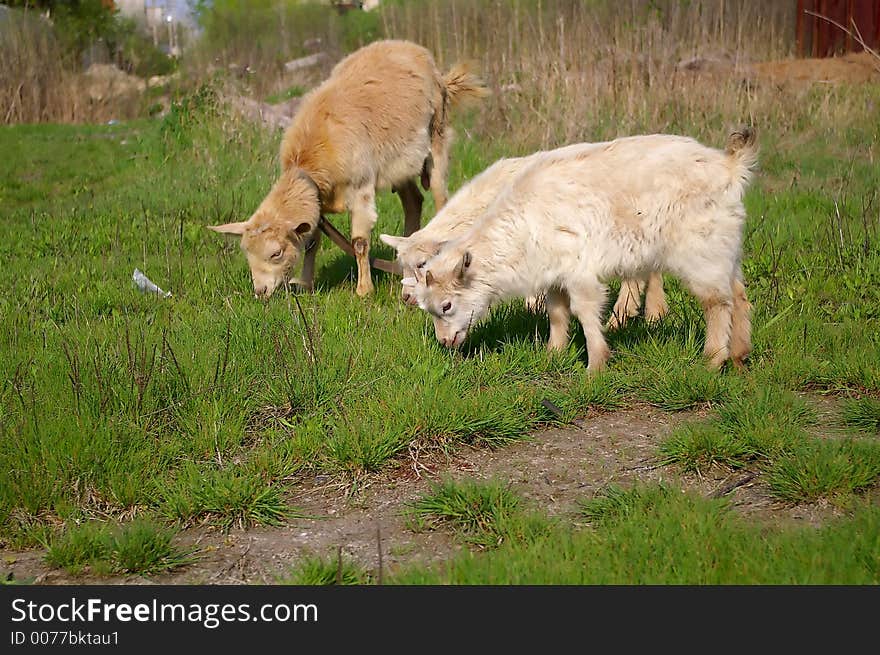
(570, 71)
(561, 71)
(41, 80)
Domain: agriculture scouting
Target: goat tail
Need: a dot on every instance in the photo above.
(742, 150)
(742, 147)
(463, 85)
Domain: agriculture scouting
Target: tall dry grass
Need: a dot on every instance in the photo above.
(565, 71)
(41, 81)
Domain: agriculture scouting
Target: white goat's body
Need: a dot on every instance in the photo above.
(458, 215)
(467, 206)
(576, 217)
(623, 208)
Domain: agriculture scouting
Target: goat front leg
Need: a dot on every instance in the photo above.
(307, 277)
(586, 303)
(363, 219)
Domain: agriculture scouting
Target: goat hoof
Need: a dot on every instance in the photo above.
(655, 314)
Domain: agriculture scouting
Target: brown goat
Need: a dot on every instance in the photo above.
(379, 121)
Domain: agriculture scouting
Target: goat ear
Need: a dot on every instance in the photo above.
(393, 241)
(299, 231)
(465, 264)
(230, 228)
(429, 278)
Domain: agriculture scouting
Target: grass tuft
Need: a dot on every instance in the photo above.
(699, 446)
(656, 535)
(863, 414)
(318, 571)
(821, 469)
(228, 499)
(142, 547)
(754, 427)
(479, 510)
(686, 388)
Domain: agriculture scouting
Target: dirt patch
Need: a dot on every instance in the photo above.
(852, 68)
(552, 471)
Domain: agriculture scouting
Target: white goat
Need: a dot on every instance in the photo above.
(575, 217)
(469, 204)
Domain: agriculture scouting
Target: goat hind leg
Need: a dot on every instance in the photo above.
(741, 323)
(411, 199)
(718, 309)
(628, 302)
(559, 313)
(656, 306)
(307, 276)
(440, 142)
(586, 303)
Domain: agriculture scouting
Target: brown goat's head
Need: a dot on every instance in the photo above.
(274, 237)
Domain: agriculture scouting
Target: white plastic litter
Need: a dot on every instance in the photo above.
(146, 285)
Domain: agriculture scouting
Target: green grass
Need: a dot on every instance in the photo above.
(209, 407)
(318, 571)
(226, 498)
(863, 414)
(826, 469)
(766, 430)
(758, 426)
(658, 535)
(480, 510)
(287, 94)
(141, 547)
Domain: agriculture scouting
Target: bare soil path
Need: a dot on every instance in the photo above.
(552, 470)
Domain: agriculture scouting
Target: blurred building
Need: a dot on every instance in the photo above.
(829, 27)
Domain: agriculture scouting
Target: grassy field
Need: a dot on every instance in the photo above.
(125, 418)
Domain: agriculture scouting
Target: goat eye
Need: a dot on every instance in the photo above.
(446, 306)
(422, 265)
(277, 255)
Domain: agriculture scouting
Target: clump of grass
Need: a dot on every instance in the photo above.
(291, 92)
(699, 446)
(757, 427)
(480, 510)
(578, 394)
(819, 469)
(615, 504)
(687, 388)
(224, 498)
(141, 547)
(862, 414)
(768, 405)
(320, 571)
(652, 535)
(145, 547)
(88, 544)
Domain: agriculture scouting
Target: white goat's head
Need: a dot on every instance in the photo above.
(449, 288)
